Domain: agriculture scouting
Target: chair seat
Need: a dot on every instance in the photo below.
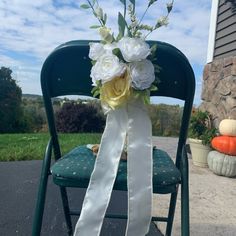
(74, 170)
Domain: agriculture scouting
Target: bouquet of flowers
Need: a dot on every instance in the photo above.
(123, 65)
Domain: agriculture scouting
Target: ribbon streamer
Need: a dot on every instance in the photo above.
(134, 121)
(139, 170)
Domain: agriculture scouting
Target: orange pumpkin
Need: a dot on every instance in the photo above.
(225, 144)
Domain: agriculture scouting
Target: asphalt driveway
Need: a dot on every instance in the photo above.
(18, 190)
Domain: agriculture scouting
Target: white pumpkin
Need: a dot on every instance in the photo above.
(228, 127)
(222, 164)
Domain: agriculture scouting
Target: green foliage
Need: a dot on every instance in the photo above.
(95, 26)
(201, 126)
(78, 117)
(34, 117)
(10, 102)
(117, 52)
(151, 2)
(18, 147)
(169, 7)
(134, 26)
(122, 26)
(85, 6)
(165, 119)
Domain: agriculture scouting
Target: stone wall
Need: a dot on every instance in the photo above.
(219, 89)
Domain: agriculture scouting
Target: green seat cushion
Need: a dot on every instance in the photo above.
(74, 170)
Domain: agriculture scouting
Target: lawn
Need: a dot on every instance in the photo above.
(18, 147)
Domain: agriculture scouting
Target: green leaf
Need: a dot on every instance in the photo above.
(122, 23)
(133, 2)
(153, 51)
(98, 83)
(153, 88)
(117, 52)
(94, 89)
(93, 2)
(105, 18)
(95, 26)
(85, 6)
(96, 93)
(146, 100)
(151, 2)
(169, 7)
(93, 62)
(154, 48)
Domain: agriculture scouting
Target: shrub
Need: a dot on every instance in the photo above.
(79, 117)
(201, 126)
(165, 119)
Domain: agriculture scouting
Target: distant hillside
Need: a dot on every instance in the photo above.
(34, 97)
(31, 96)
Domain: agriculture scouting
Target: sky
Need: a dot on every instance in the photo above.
(30, 30)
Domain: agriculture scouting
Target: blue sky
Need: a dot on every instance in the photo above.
(30, 30)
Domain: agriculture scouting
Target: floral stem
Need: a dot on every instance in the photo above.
(124, 10)
(136, 27)
(160, 26)
(143, 15)
(102, 24)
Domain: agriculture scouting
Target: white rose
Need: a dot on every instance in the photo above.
(108, 47)
(96, 50)
(133, 49)
(142, 74)
(106, 68)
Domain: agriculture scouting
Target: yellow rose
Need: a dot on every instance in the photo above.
(116, 92)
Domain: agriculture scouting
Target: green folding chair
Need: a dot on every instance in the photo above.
(66, 71)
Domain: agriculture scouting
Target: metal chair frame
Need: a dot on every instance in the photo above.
(66, 72)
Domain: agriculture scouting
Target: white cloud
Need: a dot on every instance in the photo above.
(35, 28)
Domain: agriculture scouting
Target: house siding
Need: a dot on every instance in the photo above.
(225, 38)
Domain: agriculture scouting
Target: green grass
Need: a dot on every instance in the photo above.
(18, 147)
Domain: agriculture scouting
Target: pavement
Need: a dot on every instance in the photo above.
(18, 191)
(212, 202)
(212, 199)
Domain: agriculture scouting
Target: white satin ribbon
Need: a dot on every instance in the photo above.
(134, 121)
(139, 170)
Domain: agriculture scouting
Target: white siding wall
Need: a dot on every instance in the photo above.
(212, 31)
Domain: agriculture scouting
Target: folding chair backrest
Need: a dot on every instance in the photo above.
(66, 71)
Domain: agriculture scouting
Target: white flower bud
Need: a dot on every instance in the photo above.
(106, 34)
(99, 12)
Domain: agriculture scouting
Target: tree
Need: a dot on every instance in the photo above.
(10, 101)
(165, 119)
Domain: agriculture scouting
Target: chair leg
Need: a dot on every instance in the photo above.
(38, 215)
(171, 213)
(185, 198)
(185, 210)
(66, 209)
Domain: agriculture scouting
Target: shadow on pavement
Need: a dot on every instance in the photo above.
(18, 190)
